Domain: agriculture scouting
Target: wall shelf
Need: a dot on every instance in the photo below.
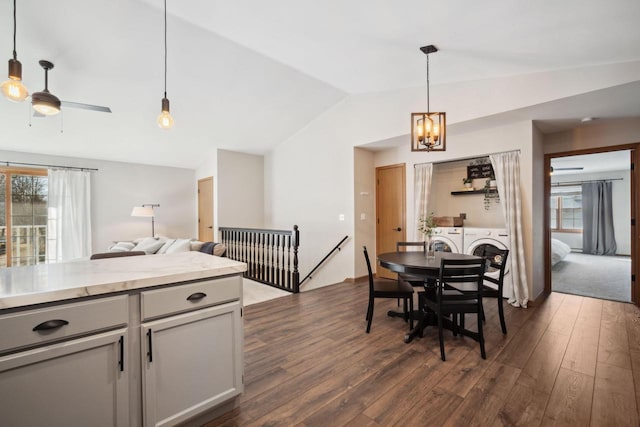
(481, 191)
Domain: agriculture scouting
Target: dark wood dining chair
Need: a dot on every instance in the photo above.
(413, 279)
(387, 288)
(444, 301)
(492, 287)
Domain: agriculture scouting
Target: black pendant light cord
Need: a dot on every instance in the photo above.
(428, 110)
(15, 55)
(165, 47)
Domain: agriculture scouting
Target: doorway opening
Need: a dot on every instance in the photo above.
(589, 224)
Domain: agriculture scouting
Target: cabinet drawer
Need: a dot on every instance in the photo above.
(33, 327)
(190, 296)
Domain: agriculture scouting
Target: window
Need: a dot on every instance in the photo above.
(23, 217)
(566, 209)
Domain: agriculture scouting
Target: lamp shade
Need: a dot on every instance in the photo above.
(145, 211)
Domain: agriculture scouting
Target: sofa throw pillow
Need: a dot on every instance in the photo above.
(149, 245)
(196, 245)
(180, 245)
(219, 249)
(166, 246)
(211, 248)
(207, 248)
(122, 247)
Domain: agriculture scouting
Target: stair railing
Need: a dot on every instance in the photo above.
(336, 247)
(271, 255)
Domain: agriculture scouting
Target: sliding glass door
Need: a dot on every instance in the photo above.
(23, 217)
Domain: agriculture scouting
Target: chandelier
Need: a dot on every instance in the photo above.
(428, 130)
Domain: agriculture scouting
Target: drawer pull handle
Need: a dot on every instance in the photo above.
(50, 324)
(196, 297)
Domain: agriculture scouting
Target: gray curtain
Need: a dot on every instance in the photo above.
(597, 219)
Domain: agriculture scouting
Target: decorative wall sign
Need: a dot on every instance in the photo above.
(480, 171)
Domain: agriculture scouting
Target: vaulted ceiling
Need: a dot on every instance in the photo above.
(246, 75)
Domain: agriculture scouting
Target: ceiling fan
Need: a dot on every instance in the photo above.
(47, 104)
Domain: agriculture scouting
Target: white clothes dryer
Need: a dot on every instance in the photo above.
(448, 239)
(476, 238)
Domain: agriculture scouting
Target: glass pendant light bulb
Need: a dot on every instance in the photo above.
(165, 121)
(13, 89)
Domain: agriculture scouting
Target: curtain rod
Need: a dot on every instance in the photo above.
(572, 183)
(466, 158)
(48, 166)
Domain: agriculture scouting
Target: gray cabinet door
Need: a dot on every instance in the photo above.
(192, 362)
(74, 383)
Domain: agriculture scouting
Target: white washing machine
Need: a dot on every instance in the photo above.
(476, 238)
(448, 239)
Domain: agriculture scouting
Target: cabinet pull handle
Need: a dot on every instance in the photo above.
(121, 361)
(196, 297)
(150, 346)
(50, 324)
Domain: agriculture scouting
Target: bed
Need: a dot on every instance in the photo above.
(559, 250)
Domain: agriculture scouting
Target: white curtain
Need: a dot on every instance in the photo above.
(421, 189)
(69, 214)
(507, 169)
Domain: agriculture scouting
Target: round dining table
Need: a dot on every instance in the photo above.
(417, 263)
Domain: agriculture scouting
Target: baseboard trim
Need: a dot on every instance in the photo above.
(356, 279)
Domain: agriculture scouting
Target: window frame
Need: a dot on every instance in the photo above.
(557, 227)
(8, 172)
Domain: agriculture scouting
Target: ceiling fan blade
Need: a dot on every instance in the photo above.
(578, 168)
(86, 106)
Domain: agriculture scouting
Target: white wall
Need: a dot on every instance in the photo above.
(447, 177)
(240, 197)
(117, 187)
(364, 196)
(621, 200)
(209, 168)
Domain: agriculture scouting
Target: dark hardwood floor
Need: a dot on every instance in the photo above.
(571, 361)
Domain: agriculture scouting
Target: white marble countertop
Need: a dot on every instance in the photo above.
(22, 286)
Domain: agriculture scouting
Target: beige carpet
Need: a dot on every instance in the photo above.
(605, 277)
(254, 292)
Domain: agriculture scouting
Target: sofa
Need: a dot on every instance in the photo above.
(167, 245)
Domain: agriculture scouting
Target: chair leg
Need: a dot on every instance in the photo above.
(410, 313)
(404, 308)
(462, 316)
(503, 325)
(454, 324)
(369, 314)
(440, 336)
(480, 334)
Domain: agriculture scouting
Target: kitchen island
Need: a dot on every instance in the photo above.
(146, 340)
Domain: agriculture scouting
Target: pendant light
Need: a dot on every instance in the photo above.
(428, 130)
(165, 121)
(13, 89)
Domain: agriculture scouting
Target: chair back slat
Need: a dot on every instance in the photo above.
(497, 259)
(462, 271)
(407, 246)
(366, 258)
